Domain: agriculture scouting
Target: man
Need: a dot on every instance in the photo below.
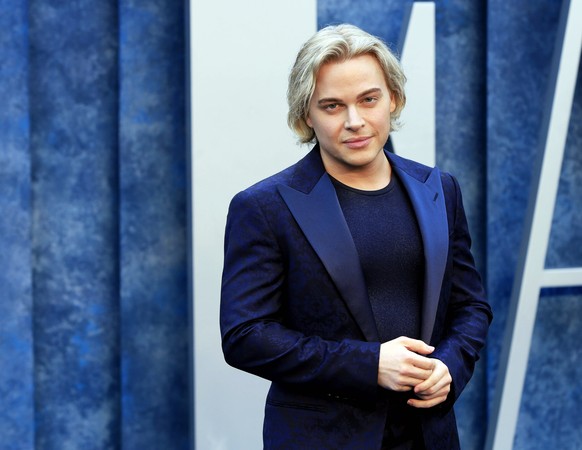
(348, 279)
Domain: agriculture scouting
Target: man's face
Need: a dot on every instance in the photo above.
(350, 114)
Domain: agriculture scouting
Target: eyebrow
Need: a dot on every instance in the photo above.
(337, 100)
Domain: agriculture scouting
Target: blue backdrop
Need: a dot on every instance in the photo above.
(94, 325)
(93, 286)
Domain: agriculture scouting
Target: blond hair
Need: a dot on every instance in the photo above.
(335, 44)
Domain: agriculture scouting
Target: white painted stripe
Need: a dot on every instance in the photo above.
(241, 53)
(562, 277)
(417, 137)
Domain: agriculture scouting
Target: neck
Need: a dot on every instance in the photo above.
(371, 177)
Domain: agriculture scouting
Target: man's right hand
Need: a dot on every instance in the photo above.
(403, 365)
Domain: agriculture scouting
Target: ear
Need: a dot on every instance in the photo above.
(392, 103)
(309, 122)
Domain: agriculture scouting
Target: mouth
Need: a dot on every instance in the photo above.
(357, 142)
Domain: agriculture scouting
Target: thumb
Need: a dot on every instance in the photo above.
(418, 346)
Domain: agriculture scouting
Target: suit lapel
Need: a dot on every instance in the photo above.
(312, 200)
(428, 201)
(319, 216)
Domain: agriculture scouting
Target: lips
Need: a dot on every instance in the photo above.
(358, 142)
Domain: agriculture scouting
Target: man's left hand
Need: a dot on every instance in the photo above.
(434, 389)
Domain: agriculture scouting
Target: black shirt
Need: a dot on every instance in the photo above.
(387, 238)
(389, 244)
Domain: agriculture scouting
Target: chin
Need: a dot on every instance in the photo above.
(360, 162)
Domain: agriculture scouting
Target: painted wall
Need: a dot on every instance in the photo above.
(241, 56)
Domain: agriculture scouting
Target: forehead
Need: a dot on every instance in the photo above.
(361, 72)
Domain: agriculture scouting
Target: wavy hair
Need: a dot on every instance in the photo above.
(336, 44)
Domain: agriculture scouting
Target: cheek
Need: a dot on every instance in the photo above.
(327, 127)
(382, 119)
(327, 130)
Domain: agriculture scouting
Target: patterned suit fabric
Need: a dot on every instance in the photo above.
(294, 306)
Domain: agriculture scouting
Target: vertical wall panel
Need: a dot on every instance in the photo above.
(73, 90)
(154, 298)
(241, 54)
(521, 45)
(60, 338)
(461, 107)
(518, 63)
(549, 414)
(381, 18)
(16, 351)
(462, 150)
(565, 246)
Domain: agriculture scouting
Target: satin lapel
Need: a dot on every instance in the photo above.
(319, 215)
(428, 202)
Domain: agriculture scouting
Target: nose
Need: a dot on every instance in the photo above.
(354, 121)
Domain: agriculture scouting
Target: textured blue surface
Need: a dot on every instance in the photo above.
(565, 246)
(93, 287)
(515, 99)
(75, 259)
(16, 355)
(381, 18)
(550, 409)
(519, 62)
(154, 331)
(519, 58)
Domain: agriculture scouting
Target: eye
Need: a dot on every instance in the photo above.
(331, 106)
(370, 99)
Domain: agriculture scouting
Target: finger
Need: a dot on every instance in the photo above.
(403, 383)
(418, 403)
(430, 394)
(439, 378)
(402, 387)
(417, 367)
(421, 362)
(432, 384)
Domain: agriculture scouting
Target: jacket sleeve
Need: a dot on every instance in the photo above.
(254, 336)
(468, 313)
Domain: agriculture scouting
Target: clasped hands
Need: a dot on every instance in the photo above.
(404, 366)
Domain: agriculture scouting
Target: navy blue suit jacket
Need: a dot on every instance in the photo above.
(295, 309)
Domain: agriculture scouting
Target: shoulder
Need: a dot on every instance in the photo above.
(264, 193)
(410, 167)
(261, 196)
(451, 187)
(301, 176)
(270, 183)
(422, 171)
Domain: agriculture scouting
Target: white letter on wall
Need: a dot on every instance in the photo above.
(417, 138)
(531, 275)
